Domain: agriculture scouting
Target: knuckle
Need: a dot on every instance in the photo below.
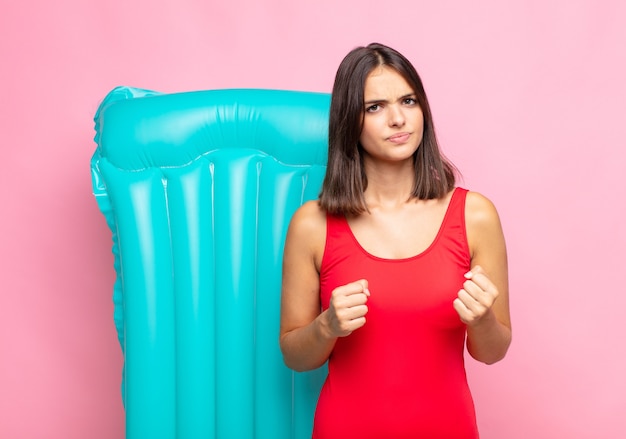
(345, 327)
(339, 300)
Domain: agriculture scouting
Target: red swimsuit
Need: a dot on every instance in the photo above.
(402, 374)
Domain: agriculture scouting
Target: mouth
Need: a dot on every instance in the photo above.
(399, 138)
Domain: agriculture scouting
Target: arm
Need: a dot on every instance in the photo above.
(307, 336)
(483, 303)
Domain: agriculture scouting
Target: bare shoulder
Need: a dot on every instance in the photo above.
(310, 218)
(484, 230)
(307, 230)
(480, 211)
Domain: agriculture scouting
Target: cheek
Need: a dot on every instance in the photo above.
(365, 141)
(367, 134)
(419, 127)
(419, 118)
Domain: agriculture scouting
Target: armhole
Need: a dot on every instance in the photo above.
(329, 219)
(466, 245)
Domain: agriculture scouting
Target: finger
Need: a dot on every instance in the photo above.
(364, 286)
(360, 286)
(482, 289)
(483, 297)
(473, 289)
(347, 320)
(347, 302)
(352, 313)
(468, 312)
(348, 306)
(355, 324)
(470, 302)
(483, 282)
(358, 323)
(480, 278)
(464, 314)
(476, 269)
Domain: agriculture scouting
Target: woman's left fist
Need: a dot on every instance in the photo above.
(476, 298)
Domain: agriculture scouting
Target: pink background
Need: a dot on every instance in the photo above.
(529, 100)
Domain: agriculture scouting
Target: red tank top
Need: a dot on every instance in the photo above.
(402, 374)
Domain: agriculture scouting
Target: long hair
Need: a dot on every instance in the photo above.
(345, 181)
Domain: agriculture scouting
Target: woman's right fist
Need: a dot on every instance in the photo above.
(347, 308)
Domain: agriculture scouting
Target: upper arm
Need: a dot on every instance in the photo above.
(304, 246)
(488, 249)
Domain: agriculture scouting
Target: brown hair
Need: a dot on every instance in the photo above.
(345, 181)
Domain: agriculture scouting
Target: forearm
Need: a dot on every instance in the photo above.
(488, 339)
(308, 347)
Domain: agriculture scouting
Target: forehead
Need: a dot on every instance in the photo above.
(384, 83)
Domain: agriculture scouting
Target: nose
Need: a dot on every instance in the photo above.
(396, 116)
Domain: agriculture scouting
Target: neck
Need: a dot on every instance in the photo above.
(389, 184)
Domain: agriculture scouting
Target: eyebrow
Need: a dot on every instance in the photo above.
(384, 101)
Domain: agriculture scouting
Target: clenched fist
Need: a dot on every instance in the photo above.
(476, 298)
(347, 308)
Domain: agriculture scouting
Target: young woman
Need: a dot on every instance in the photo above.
(393, 269)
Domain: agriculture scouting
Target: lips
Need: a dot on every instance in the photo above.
(399, 138)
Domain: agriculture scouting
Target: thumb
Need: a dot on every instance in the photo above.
(476, 269)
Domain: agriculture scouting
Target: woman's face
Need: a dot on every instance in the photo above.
(393, 122)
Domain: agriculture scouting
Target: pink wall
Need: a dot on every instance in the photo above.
(529, 101)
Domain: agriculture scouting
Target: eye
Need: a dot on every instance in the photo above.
(372, 108)
(410, 101)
